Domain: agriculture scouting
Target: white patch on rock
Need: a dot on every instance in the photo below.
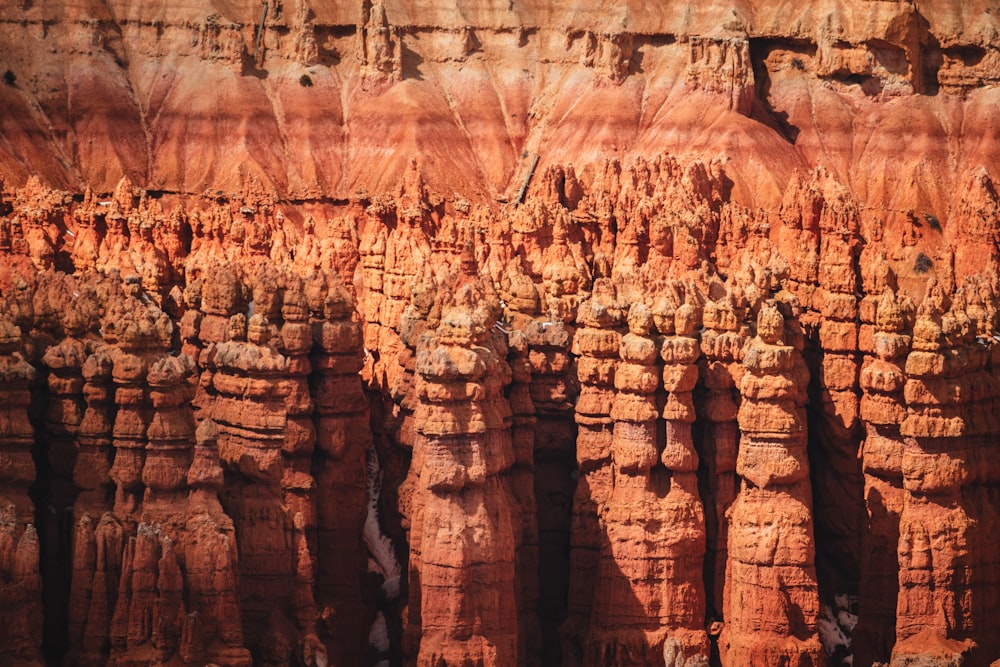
(379, 546)
(378, 636)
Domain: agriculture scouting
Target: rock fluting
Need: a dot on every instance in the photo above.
(639, 469)
(22, 583)
(384, 333)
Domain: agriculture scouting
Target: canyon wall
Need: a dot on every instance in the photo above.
(499, 333)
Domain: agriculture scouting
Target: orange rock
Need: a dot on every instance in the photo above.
(805, 396)
(21, 585)
(772, 600)
(467, 584)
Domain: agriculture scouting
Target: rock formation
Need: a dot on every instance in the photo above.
(885, 319)
(467, 557)
(771, 591)
(721, 348)
(514, 334)
(22, 584)
(648, 598)
(343, 437)
(523, 306)
(688, 435)
(596, 345)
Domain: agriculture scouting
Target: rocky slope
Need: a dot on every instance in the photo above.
(499, 334)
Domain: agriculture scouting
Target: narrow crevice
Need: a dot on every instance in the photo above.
(555, 485)
(55, 560)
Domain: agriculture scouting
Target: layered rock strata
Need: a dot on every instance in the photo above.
(886, 318)
(466, 571)
(343, 436)
(578, 429)
(21, 580)
(771, 590)
(946, 466)
(596, 345)
(523, 306)
(721, 352)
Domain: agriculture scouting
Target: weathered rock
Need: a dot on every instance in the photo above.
(466, 574)
(483, 414)
(772, 599)
(343, 438)
(20, 581)
(596, 344)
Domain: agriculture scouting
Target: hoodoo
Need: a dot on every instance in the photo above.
(499, 333)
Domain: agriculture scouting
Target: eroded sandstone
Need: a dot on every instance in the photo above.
(507, 334)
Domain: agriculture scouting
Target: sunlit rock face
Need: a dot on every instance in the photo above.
(393, 333)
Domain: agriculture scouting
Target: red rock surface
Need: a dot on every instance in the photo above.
(499, 333)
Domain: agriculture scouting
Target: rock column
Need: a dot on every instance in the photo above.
(948, 558)
(20, 581)
(627, 614)
(343, 436)
(213, 630)
(772, 599)
(685, 543)
(249, 408)
(298, 485)
(466, 575)
(721, 347)
(595, 344)
(883, 409)
(523, 309)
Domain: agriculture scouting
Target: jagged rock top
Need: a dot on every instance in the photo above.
(338, 97)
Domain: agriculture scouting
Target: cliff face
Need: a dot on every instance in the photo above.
(318, 98)
(499, 334)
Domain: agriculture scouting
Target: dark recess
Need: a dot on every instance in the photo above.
(923, 264)
(763, 111)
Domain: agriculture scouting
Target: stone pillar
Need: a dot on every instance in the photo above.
(595, 345)
(467, 569)
(771, 595)
(213, 630)
(650, 601)
(948, 589)
(20, 581)
(249, 408)
(838, 482)
(883, 408)
(343, 436)
(298, 485)
(685, 542)
(719, 368)
(523, 306)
